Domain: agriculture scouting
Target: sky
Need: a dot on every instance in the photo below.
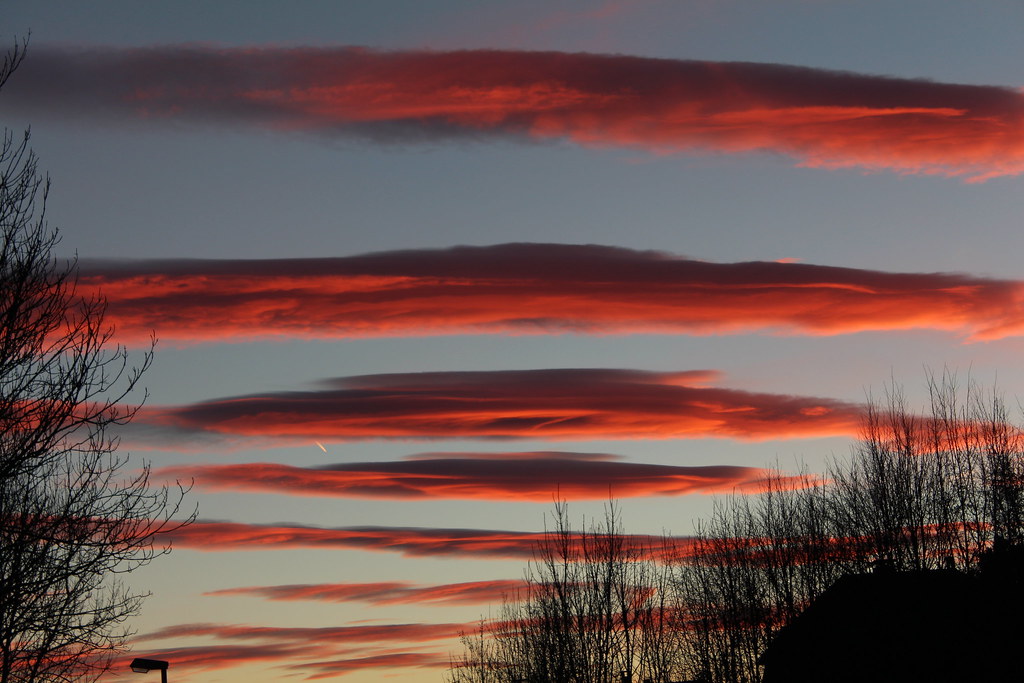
(417, 268)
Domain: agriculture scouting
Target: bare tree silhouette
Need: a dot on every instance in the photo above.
(919, 494)
(597, 609)
(73, 517)
(934, 500)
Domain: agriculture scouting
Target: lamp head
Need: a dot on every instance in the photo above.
(141, 666)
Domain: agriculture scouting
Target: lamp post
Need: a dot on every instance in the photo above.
(142, 666)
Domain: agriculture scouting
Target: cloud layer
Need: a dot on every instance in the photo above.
(217, 536)
(535, 289)
(373, 633)
(820, 118)
(535, 477)
(318, 652)
(293, 657)
(569, 403)
(385, 593)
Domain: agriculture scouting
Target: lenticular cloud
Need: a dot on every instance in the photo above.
(557, 403)
(820, 118)
(214, 536)
(387, 592)
(536, 478)
(530, 288)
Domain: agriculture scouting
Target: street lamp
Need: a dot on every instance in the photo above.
(143, 666)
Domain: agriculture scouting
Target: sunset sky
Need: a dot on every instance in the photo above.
(416, 266)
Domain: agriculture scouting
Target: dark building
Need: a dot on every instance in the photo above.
(932, 626)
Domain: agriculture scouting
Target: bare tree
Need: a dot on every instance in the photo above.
(934, 491)
(920, 492)
(754, 566)
(597, 609)
(73, 517)
(938, 490)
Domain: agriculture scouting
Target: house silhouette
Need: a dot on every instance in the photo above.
(937, 626)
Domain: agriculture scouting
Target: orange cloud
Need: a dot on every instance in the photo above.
(535, 478)
(325, 634)
(222, 656)
(575, 403)
(301, 648)
(820, 118)
(531, 289)
(216, 536)
(390, 660)
(385, 593)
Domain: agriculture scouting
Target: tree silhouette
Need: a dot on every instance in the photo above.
(919, 494)
(921, 497)
(597, 609)
(73, 517)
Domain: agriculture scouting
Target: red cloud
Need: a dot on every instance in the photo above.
(386, 593)
(331, 634)
(300, 648)
(340, 667)
(413, 541)
(528, 289)
(581, 403)
(224, 656)
(536, 478)
(821, 118)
